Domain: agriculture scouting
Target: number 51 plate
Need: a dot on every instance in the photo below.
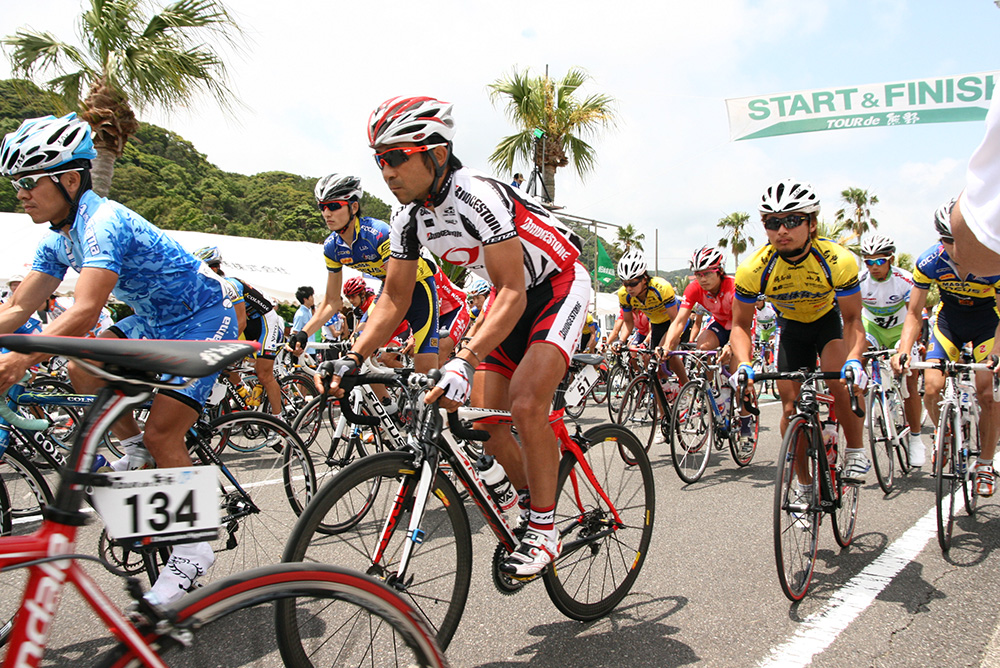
(162, 505)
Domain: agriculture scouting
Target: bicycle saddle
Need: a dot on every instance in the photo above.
(191, 359)
(584, 358)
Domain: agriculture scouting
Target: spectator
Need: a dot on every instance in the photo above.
(518, 180)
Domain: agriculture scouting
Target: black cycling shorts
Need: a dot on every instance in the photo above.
(802, 342)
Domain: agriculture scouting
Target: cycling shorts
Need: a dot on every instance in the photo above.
(720, 332)
(659, 329)
(953, 330)
(457, 323)
(555, 313)
(422, 317)
(766, 332)
(267, 331)
(584, 342)
(883, 337)
(214, 323)
(802, 342)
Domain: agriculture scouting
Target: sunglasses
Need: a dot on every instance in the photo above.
(29, 182)
(790, 222)
(632, 283)
(877, 263)
(332, 205)
(703, 274)
(395, 157)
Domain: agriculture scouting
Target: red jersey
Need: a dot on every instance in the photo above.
(450, 296)
(639, 320)
(720, 305)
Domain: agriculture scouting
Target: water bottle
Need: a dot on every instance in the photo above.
(722, 398)
(243, 390)
(830, 441)
(255, 398)
(497, 483)
(670, 387)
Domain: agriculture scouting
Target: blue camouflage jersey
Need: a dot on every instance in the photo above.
(160, 280)
(369, 251)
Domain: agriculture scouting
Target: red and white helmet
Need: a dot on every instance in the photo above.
(707, 257)
(355, 286)
(419, 120)
(789, 195)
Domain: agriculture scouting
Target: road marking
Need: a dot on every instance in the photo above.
(819, 630)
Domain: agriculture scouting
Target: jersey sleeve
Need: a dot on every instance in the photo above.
(692, 295)
(748, 280)
(47, 259)
(923, 270)
(106, 240)
(623, 300)
(844, 272)
(403, 243)
(330, 253)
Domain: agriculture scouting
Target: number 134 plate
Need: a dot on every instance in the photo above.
(163, 505)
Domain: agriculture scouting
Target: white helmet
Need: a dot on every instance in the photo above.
(45, 143)
(477, 286)
(942, 220)
(707, 257)
(789, 195)
(338, 187)
(421, 120)
(631, 265)
(878, 244)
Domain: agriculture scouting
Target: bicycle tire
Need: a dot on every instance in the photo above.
(593, 575)
(363, 621)
(64, 419)
(639, 412)
(297, 390)
(946, 482)
(845, 514)
(600, 389)
(12, 584)
(618, 380)
(26, 486)
(897, 414)
(735, 430)
(796, 526)
(692, 436)
(879, 441)
(967, 461)
(440, 567)
(576, 410)
(270, 491)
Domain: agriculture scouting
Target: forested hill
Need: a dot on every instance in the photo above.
(165, 179)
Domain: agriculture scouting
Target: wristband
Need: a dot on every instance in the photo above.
(358, 357)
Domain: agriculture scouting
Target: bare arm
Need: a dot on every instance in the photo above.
(27, 299)
(391, 307)
(332, 303)
(739, 338)
(677, 326)
(854, 330)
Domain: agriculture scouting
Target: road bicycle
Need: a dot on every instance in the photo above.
(956, 442)
(360, 620)
(399, 517)
(885, 420)
(590, 379)
(704, 419)
(622, 368)
(809, 482)
(646, 405)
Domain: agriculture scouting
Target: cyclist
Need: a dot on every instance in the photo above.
(766, 321)
(885, 291)
(713, 290)
(478, 292)
(591, 332)
(967, 314)
(363, 243)
(525, 339)
(259, 322)
(813, 283)
(454, 315)
(116, 251)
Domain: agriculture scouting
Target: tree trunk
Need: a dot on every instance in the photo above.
(103, 170)
(549, 179)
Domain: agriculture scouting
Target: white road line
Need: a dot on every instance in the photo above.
(819, 630)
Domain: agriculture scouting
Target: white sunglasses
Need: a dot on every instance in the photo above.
(29, 182)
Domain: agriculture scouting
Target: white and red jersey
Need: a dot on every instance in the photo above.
(449, 295)
(719, 305)
(473, 211)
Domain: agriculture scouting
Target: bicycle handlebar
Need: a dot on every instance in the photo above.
(19, 421)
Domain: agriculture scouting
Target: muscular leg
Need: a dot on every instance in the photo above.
(989, 414)
(85, 382)
(933, 384)
(911, 405)
(832, 359)
(168, 422)
(264, 368)
(491, 390)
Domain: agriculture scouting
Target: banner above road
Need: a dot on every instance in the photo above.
(964, 97)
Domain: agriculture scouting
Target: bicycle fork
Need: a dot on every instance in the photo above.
(414, 534)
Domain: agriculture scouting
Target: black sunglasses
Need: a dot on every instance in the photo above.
(791, 221)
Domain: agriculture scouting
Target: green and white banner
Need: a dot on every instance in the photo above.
(964, 97)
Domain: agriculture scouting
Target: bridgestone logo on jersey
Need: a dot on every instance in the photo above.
(550, 238)
(444, 233)
(570, 320)
(479, 207)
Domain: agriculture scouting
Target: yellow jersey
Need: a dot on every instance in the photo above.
(805, 290)
(659, 297)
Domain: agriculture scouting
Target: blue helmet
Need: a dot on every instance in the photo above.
(42, 144)
(477, 286)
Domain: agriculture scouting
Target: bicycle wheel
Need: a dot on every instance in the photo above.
(618, 380)
(576, 410)
(796, 513)
(600, 389)
(262, 492)
(300, 615)
(693, 434)
(601, 557)
(639, 411)
(897, 415)
(880, 440)
(742, 456)
(845, 514)
(946, 480)
(26, 486)
(64, 419)
(436, 580)
(316, 425)
(297, 390)
(967, 458)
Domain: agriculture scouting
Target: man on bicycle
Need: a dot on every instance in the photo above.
(363, 243)
(885, 291)
(967, 314)
(522, 347)
(713, 290)
(115, 250)
(813, 283)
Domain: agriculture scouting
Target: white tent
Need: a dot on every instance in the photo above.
(276, 268)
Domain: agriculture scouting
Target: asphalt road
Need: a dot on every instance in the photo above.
(708, 593)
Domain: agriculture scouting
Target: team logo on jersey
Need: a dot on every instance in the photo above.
(461, 256)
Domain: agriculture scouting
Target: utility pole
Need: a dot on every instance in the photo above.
(594, 224)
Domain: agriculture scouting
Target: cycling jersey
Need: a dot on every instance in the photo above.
(659, 297)
(885, 301)
(369, 250)
(590, 326)
(719, 305)
(160, 280)
(971, 294)
(450, 296)
(473, 211)
(804, 290)
(60, 305)
(640, 321)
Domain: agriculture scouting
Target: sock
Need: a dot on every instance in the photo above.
(542, 520)
(985, 462)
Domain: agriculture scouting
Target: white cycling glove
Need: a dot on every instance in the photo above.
(860, 377)
(456, 379)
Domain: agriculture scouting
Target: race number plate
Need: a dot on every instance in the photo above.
(581, 384)
(162, 505)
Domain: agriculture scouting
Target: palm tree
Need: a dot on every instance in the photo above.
(840, 232)
(629, 236)
(735, 238)
(857, 215)
(128, 59)
(540, 103)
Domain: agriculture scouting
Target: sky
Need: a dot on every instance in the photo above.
(311, 71)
